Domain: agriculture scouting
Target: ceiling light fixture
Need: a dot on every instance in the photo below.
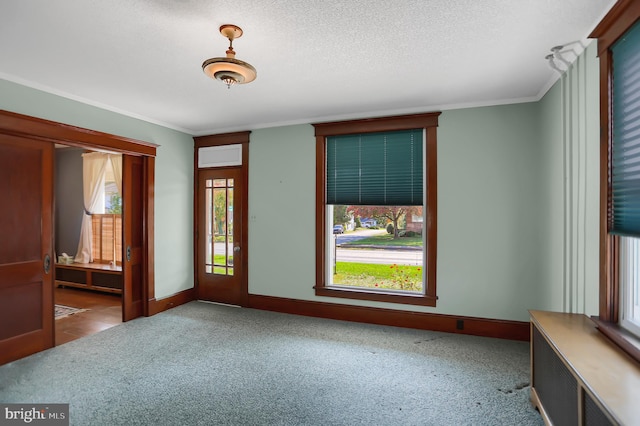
(229, 70)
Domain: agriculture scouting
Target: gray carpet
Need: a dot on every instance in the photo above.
(206, 364)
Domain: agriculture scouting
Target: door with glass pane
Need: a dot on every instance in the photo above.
(220, 228)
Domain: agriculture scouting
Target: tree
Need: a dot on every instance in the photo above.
(115, 204)
(380, 213)
(341, 214)
(222, 200)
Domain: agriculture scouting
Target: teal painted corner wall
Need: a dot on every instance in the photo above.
(282, 178)
(489, 204)
(570, 138)
(552, 216)
(173, 177)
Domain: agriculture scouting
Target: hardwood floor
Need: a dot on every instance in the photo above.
(104, 310)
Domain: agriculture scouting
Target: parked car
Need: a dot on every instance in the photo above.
(338, 229)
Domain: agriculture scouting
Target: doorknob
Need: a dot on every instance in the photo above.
(236, 249)
(128, 253)
(47, 263)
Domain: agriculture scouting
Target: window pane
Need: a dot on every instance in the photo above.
(220, 226)
(367, 251)
(629, 284)
(208, 223)
(219, 222)
(112, 199)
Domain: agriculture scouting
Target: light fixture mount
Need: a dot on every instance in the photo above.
(231, 31)
(230, 70)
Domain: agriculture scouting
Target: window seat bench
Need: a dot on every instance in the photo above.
(578, 376)
(90, 276)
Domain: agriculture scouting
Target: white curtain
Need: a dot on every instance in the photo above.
(116, 165)
(93, 172)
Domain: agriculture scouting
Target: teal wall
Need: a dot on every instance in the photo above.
(282, 176)
(517, 201)
(174, 174)
(569, 123)
(552, 225)
(489, 208)
(489, 205)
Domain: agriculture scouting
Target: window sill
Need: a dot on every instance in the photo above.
(377, 296)
(622, 338)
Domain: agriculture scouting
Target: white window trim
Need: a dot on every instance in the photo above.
(629, 274)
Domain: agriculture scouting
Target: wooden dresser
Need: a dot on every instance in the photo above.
(578, 377)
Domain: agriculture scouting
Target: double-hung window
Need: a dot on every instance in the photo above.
(619, 51)
(101, 234)
(624, 216)
(106, 220)
(376, 201)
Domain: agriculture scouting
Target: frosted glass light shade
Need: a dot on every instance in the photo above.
(222, 68)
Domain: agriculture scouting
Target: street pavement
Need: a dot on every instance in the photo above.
(358, 235)
(383, 255)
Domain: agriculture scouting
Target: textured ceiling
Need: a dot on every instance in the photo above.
(317, 60)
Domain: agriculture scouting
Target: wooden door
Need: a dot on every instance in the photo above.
(26, 254)
(221, 257)
(133, 294)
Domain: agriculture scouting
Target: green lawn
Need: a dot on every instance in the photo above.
(370, 275)
(395, 277)
(218, 259)
(386, 240)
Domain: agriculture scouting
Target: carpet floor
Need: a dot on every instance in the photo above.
(207, 364)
